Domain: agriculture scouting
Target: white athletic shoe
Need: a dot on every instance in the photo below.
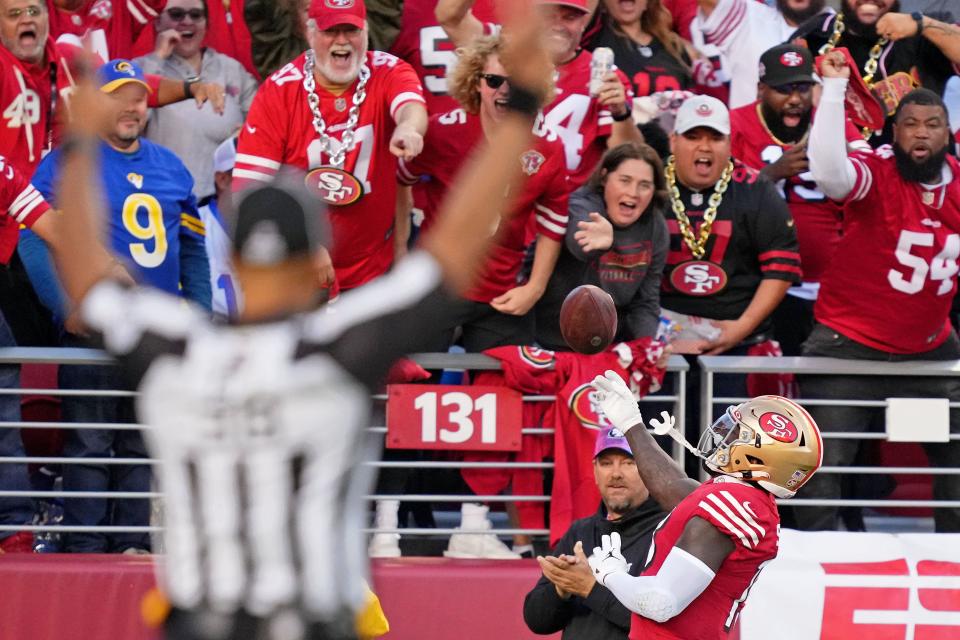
(384, 545)
(478, 545)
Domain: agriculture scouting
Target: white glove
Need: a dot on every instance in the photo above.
(607, 559)
(617, 401)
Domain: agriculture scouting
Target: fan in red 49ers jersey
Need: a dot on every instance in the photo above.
(587, 124)
(770, 135)
(710, 549)
(495, 311)
(332, 112)
(424, 44)
(110, 26)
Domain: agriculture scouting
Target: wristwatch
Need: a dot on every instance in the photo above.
(918, 17)
(186, 85)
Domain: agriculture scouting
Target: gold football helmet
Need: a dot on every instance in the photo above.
(769, 440)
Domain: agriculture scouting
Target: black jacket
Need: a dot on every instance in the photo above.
(600, 614)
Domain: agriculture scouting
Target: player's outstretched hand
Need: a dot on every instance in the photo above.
(406, 142)
(607, 558)
(617, 401)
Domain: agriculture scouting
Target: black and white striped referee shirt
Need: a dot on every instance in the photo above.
(262, 432)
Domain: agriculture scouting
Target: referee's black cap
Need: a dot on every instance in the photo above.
(276, 222)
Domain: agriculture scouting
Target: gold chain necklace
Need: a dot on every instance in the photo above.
(698, 246)
(780, 142)
(870, 68)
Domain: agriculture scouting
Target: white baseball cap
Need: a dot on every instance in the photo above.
(702, 111)
(226, 155)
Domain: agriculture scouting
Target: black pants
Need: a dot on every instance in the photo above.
(825, 342)
(183, 624)
(482, 327)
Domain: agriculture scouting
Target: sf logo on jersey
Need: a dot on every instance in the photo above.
(698, 278)
(334, 186)
(585, 405)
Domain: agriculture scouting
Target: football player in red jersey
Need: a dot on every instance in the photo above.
(770, 135)
(718, 536)
(586, 124)
(888, 291)
(345, 114)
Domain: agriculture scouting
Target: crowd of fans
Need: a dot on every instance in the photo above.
(682, 182)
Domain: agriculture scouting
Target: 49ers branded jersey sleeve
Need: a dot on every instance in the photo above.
(818, 219)
(424, 44)
(112, 26)
(581, 123)
(752, 239)
(279, 131)
(543, 194)
(893, 278)
(22, 204)
(748, 516)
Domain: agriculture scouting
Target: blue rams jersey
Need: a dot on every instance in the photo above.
(226, 298)
(153, 213)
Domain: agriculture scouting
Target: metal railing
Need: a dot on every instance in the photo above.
(710, 366)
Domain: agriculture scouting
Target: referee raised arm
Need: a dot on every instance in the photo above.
(261, 425)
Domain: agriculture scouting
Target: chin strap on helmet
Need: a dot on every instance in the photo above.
(668, 428)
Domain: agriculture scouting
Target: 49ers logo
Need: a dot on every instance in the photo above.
(583, 403)
(791, 59)
(536, 357)
(698, 278)
(779, 427)
(339, 4)
(531, 161)
(334, 186)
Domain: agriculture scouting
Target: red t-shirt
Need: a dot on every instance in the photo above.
(450, 139)
(893, 277)
(818, 218)
(424, 44)
(748, 516)
(279, 131)
(117, 22)
(578, 119)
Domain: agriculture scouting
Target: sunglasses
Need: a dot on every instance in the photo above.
(177, 14)
(803, 88)
(494, 81)
(33, 11)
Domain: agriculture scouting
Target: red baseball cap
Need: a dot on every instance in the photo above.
(330, 13)
(573, 4)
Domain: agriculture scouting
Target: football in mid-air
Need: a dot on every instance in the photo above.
(588, 319)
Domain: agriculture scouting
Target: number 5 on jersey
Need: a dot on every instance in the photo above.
(943, 268)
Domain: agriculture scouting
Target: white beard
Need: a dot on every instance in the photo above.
(334, 76)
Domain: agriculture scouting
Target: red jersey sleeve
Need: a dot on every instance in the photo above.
(23, 203)
(861, 161)
(410, 171)
(153, 96)
(261, 142)
(402, 84)
(551, 207)
(736, 513)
